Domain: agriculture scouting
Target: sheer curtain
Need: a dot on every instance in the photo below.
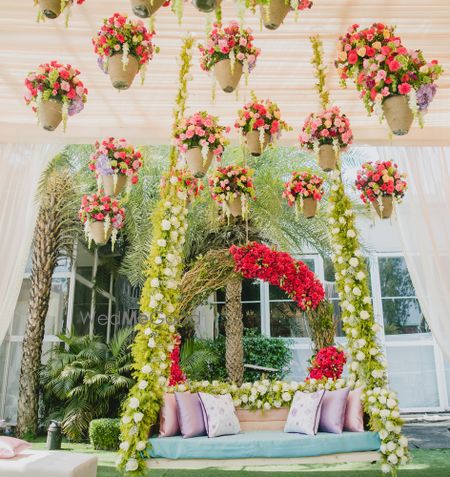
(21, 166)
(424, 223)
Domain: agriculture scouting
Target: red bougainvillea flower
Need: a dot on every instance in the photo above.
(176, 373)
(327, 363)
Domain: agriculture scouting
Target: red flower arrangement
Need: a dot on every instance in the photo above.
(327, 363)
(256, 260)
(176, 373)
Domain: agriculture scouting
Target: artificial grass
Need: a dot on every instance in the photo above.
(425, 463)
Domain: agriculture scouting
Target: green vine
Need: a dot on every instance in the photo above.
(320, 70)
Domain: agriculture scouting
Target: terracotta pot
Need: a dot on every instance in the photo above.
(309, 207)
(108, 184)
(228, 80)
(205, 6)
(327, 157)
(234, 206)
(398, 114)
(50, 8)
(254, 144)
(98, 233)
(273, 14)
(122, 78)
(387, 205)
(146, 8)
(195, 162)
(50, 114)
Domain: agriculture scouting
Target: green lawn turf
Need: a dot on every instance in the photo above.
(425, 463)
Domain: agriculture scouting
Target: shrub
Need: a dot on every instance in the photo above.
(104, 434)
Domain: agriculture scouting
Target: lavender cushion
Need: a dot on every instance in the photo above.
(333, 411)
(190, 415)
(10, 447)
(221, 419)
(168, 419)
(354, 415)
(304, 414)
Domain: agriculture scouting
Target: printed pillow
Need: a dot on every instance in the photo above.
(220, 416)
(354, 414)
(10, 447)
(190, 415)
(332, 414)
(304, 414)
(168, 419)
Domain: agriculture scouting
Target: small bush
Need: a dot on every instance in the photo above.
(104, 434)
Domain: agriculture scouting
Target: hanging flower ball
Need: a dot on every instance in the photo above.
(303, 192)
(53, 8)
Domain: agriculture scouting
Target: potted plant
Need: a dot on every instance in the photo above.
(114, 162)
(380, 184)
(124, 48)
(55, 91)
(53, 8)
(232, 187)
(206, 6)
(273, 12)
(147, 8)
(303, 192)
(259, 122)
(200, 138)
(327, 133)
(102, 218)
(229, 52)
(396, 83)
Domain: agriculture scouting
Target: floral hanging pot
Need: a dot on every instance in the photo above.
(146, 8)
(274, 13)
(309, 207)
(50, 114)
(121, 75)
(228, 79)
(205, 6)
(254, 144)
(50, 8)
(112, 189)
(385, 209)
(196, 163)
(398, 114)
(327, 157)
(234, 206)
(99, 234)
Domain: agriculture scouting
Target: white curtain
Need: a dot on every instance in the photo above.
(21, 166)
(424, 223)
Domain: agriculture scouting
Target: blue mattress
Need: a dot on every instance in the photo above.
(271, 444)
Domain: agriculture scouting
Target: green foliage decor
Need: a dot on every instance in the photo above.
(104, 434)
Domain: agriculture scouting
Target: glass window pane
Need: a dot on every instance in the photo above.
(299, 364)
(251, 313)
(287, 320)
(403, 316)
(309, 262)
(21, 310)
(251, 290)
(447, 378)
(85, 262)
(81, 309)
(394, 277)
(103, 276)
(276, 293)
(57, 309)
(101, 315)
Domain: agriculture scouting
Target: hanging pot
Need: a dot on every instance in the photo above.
(146, 8)
(50, 8)
(195, 162)
(254, 144)
(327, 157)
(205, 6)
(122, 77)
(398, 114)
(108, 184)
(274, 13)
(50, 114)
(98, 233)
(228, 80)
(234, 206)
(387, 206)
(309, 207)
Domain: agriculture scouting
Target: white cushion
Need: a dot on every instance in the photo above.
(219, 415)
(304, 415)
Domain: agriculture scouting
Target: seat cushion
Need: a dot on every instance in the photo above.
(270, 444)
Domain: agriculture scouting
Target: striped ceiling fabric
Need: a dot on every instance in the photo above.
(283, 71)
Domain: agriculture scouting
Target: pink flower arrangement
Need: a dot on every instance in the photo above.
(95, 208)
(303, 185)
(59, 82)
(328, 127)
(231, 42)
(185, 181)
(231, 182)
(380, 179)
(328, 363)
(127, 37)
(201, 130)
(116, 156)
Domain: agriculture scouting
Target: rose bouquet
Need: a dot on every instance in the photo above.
(259, 122)
(229, 51)
(326, 134)
(303, 192)
(395, 82)
(124, 47)
(327, 363)
(53, 8)
(55, 92)
(273, 12)
(114, 161)
(200, 138)
(186, 182)
(232, 187)
(380, 183)
(102, 218)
